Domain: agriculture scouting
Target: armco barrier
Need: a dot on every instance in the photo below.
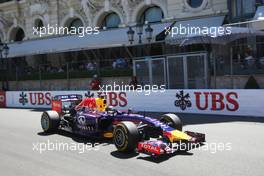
(222, 102)
(2, 99)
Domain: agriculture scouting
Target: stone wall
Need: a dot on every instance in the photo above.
(181, 9)
(24, 13)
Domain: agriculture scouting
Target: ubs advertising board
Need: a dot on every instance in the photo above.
(205, 101)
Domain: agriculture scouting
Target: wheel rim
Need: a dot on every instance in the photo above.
(45, 122)
(119, 138)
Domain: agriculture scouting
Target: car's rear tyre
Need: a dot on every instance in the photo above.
(126, 137)
(172, 120)
(50, 121)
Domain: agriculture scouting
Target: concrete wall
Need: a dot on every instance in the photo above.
(225, 82)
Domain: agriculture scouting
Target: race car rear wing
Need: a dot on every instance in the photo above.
(57, 101)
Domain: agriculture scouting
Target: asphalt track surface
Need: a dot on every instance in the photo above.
(20, 129)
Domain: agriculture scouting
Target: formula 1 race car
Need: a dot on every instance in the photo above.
(130, 132)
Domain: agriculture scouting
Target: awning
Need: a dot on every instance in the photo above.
(106, 39)
(222, 39)
(190, 27)
(259, 19)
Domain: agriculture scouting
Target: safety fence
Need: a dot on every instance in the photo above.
(203, 101)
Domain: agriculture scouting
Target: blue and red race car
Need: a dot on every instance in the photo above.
(130, 132)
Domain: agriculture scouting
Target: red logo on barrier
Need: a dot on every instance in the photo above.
(36, 98)
(2, 100)
(219, 101)
(40, 98)
(116, 99)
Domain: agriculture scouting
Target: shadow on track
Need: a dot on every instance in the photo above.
(116, 154)
(156, 159)
(163, 158)
(78, 138)
(192, 119)
(39, 110)
(120, 155)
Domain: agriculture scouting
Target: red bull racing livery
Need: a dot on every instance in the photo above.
(130, 132)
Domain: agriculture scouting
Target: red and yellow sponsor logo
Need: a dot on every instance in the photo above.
(177, 135)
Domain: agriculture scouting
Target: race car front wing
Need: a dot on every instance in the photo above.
(160, 146)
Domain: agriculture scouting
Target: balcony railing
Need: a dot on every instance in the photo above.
(66, 71)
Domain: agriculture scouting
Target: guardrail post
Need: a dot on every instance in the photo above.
(16, 78)
(40, 82)
(231, 68)
(68, 76)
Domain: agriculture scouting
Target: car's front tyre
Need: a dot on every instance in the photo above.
(126, 136)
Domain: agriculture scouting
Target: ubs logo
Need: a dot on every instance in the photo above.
(183, 100)
(23, 98)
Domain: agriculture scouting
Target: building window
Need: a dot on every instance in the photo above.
(243, 8)
(39, 24)
(76, 23)
(152, 15)
(19, 35)
(112, 20)
(195, 3)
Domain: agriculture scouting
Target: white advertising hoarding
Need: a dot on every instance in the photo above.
(206, 101)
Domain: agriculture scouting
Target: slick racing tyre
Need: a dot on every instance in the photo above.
(126, 136)
(172, 120)
(50, 121)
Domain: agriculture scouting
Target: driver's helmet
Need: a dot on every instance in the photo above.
(110, 110)
(101, 104)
